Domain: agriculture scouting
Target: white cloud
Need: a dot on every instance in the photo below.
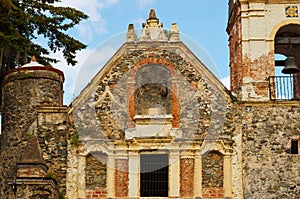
(144, 3)
(96, 24)
(226, 82)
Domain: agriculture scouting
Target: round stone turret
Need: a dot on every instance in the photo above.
(24, 91)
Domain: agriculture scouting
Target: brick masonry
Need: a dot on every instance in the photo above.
(96, 193)
(187, 177)
(121, 178)
(213, 193)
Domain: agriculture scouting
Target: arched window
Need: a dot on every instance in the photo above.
(152, 94)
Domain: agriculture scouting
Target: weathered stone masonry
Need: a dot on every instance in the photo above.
(269, 170)
(217, 144)
(25, 91)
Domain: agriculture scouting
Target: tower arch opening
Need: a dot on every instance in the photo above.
(287, 61)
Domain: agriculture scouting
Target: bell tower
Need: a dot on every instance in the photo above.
(264, 41)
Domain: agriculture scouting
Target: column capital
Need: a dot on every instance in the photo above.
(187, 154)
(133, 153)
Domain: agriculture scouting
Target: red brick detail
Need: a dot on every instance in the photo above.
(237, 70)
(213, 193)
(175, 107)
(186, 177)
(96, 194)
(121, 178)
(31, 172)
(297, 86)
(131, 110)
(152, 59)
(48, 68)
(194, 85)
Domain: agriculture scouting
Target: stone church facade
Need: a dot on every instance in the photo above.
(154, 122)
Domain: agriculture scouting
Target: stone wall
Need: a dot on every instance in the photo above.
(95, 171)
(53, 135)
(269, 170)
(213, 175)
(212, 169)
(191, 95)
(199, 108)
(36, 189)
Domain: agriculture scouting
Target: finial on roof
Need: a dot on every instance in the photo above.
(130, 27)
(33, 59)
(152, 20)
(33, 62)
(174, 33)
(131, 34)
(152, 14)
(152, 30)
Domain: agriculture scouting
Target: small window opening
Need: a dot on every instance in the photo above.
(154, 175)
(294, 147)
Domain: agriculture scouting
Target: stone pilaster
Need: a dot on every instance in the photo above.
(198, 175)
(81, 176)
(133, 166)
(110, 176)
(174, 174)
(227, 176)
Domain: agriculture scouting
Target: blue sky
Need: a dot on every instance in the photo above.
(201, 21)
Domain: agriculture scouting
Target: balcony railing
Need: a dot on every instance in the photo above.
(284, 87)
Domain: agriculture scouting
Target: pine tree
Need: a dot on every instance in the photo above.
(23, 21)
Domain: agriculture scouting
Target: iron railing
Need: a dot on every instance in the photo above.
(284, 87)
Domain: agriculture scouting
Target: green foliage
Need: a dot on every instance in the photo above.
(75, 139)
(49, 175)
(26, 76)
(52, 176)
(62, 195)
(23, 21)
